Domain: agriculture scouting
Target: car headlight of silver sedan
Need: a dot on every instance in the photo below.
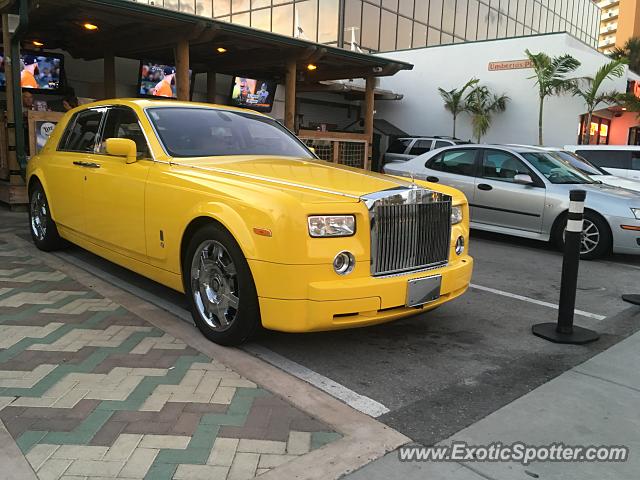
(636, 213)
(331, 225)
(456, 214)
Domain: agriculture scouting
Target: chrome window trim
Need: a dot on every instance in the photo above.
(75, 120)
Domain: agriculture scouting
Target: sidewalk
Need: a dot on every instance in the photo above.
(96, 383)
(596, 403)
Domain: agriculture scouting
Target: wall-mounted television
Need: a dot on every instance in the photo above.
(41, 72)
(157, 80)
(252, 93)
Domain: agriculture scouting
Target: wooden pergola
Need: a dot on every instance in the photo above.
(138, 31)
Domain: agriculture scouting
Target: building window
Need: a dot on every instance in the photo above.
(598, 130)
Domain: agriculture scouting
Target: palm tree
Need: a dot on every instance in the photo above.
(588, 88)
(630, 52)
(454, 100)
(550, 76)
(481, 104)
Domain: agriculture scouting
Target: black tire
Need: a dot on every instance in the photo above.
(44, 231)
(595, 229)
(228, 282)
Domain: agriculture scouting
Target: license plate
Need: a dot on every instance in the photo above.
(423, 290)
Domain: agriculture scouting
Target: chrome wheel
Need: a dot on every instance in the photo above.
(589, 238)
(39, 215)
(214, 284)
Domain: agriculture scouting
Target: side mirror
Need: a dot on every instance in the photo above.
(122, 147)
(523, 179)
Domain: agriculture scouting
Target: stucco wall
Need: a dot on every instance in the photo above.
(421, 111)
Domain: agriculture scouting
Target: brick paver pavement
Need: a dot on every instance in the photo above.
(90, 390)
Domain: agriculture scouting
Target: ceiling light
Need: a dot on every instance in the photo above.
(311, 67)
(90, 26)
(221, 50)
(36, 43)
(624, 108)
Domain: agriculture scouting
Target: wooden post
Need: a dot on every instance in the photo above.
(109, 75)
(211, 87)
(368, 118)
(182, 70)
(290, 96)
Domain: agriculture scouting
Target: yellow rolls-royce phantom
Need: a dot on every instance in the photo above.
(229, 207)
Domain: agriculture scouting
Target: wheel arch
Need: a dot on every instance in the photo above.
(35, 178)
(561, 216)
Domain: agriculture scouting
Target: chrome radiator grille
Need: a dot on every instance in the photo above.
(410, 232)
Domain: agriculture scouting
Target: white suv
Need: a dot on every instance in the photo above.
(406, 148)
(620, 160)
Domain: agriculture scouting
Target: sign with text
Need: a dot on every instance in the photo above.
(510, 65)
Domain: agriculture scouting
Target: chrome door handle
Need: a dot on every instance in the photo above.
(87, 164)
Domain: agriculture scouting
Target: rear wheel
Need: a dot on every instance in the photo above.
(43, 229)
(596, 238)
(219, 287)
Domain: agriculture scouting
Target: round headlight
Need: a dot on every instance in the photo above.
(460, 245)
(344, 263)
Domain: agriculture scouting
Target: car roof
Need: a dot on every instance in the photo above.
(150, 102)
(507, 148)
(603, 147)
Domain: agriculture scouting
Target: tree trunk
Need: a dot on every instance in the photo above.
(540, 121)
(454, 125)
(587, 133)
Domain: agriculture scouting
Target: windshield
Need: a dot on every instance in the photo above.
(554, 169)
(208, 132)
(581, 163)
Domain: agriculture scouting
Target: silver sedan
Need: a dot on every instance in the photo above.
(525, 192)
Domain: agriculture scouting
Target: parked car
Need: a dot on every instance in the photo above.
(230, 208)
(403, 149)
(524, 191)
(585, 166)
(620, 160)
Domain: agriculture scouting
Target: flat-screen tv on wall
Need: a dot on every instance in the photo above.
(41, 72)
(158, 80)
(253, 93)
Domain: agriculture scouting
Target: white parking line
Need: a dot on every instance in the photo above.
(359, 402)
(618, 264)
(533, 300)
(348, 396)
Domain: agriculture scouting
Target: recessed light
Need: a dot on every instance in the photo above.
(36, 43)
(90, 26)
(221, 50)
(311, 67)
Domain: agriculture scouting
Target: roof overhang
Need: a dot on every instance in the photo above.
(139, 31)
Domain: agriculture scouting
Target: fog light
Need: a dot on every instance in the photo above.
(459, 245)
(344, 263)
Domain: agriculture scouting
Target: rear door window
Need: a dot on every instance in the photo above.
(420, 147)
(399, 146)
(441, 143)
(82, 132)
(608, 158)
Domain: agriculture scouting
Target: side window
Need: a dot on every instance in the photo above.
(420, 147)
(503, 166)
(440, 144)
(608, 158)
(82, 132)
(399, 146)
(122, 122)
(460, 162)
(635, 161)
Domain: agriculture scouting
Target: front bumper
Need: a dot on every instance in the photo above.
(307, 298)
(625, 240)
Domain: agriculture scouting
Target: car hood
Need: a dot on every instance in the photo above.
(604, 190)
(618, 181)
(316, 178)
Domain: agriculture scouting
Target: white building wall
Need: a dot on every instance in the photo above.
(421, 111)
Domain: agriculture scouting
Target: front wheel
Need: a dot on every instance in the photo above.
(219, 287)
(44, 231)
(596, 238)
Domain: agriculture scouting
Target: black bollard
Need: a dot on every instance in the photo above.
(633, 299)
(564, 331)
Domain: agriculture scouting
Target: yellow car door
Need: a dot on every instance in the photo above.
(114, 190)
(66, 168)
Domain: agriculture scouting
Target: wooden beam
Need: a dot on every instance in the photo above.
(368, 117)
(211, 87)
(290, 95)
(109, 75)
(182, 70)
